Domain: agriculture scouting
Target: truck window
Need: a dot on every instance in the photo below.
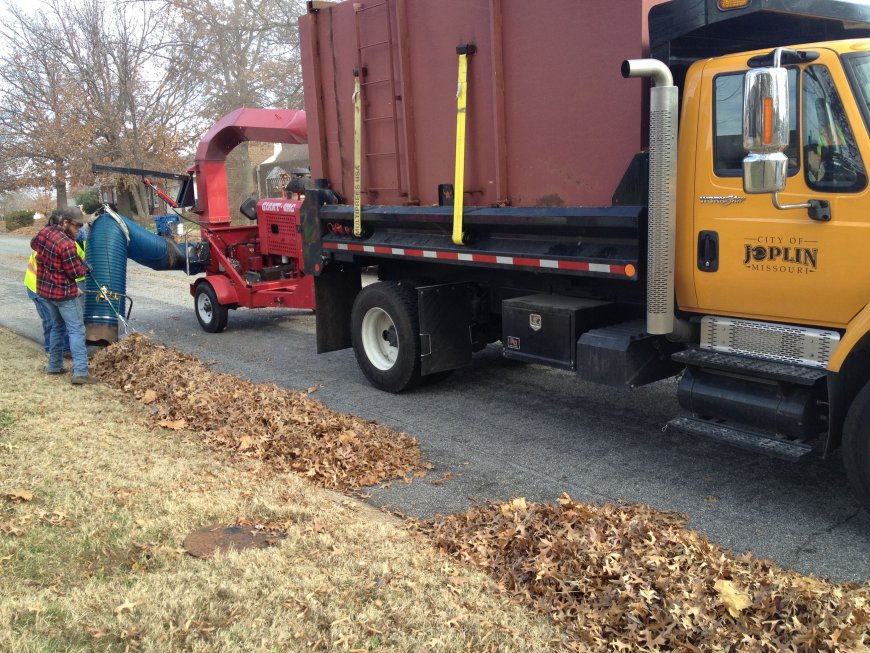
(728, 149)
(858, 69)
(831, 158)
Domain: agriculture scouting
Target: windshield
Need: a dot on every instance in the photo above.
(831, 155)
(858, 66)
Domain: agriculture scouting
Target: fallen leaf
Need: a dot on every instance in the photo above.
(246, 442)
(149, 396)
(348, 436)
(734, 599)
(126, 605)
(19, 495)
(175, 425)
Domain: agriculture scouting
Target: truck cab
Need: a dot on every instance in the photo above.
(737, 255)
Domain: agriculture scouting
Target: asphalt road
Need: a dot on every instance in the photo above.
(505, 429)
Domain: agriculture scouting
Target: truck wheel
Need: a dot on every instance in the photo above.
(385, 331)
(211, 314)
(856, 446)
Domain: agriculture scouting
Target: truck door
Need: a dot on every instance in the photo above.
(753, 260)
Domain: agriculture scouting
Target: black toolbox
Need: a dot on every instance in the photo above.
(544, 328)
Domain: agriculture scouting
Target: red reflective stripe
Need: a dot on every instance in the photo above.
(550, 264)
(573, 265)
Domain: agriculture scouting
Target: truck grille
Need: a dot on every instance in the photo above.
(777, 342)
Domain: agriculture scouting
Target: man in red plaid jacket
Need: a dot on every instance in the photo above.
(58, 266)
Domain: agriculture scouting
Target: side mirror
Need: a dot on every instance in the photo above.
(764, 173)
(765, 130)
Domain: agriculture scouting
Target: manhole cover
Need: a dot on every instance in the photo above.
(218, 537)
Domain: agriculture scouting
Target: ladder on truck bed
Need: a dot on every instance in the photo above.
(377, 56)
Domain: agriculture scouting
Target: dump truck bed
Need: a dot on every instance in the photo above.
(551, 122)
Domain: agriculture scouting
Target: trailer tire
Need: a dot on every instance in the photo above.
(856, 446)
(211, 314)
(385, 332)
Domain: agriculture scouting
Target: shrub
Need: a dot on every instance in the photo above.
(89, 199)
(17, 219)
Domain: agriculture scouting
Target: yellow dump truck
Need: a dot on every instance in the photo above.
(710, 220)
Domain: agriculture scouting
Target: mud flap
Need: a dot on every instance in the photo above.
(334, 292)
(445, 327)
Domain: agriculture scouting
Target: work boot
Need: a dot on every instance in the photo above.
(84, 380)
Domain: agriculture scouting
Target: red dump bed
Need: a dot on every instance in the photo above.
(551, 122)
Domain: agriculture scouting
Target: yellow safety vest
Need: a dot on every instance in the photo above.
(81, 253)
(30, 273)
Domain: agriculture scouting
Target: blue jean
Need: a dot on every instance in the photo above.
(69, 313)
(47, 321)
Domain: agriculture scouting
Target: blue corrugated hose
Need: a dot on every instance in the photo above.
(107, 253)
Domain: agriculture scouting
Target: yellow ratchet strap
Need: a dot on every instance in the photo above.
(357, 156)
(464, 51)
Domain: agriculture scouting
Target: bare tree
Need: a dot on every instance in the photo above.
(244, 52)
(93, 80)
(140, 93)
(43, 131)
(134, 82)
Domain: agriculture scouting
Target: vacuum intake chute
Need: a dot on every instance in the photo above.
(112, 240)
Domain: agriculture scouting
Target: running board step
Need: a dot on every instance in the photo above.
(776, 371)
(789, 450)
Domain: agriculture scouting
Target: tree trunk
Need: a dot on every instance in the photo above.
(60, 184)
(125, 206)
(141, 203)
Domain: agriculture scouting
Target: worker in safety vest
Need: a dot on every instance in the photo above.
(59, 267)
(41, 309)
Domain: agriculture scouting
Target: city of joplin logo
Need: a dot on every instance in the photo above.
(762, 255)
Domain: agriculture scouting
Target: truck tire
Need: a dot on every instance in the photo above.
(211, 314)
(385, 332)
(856, 446)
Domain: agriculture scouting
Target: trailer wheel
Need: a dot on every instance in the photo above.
(385, 331)
(856, 446)
(211, 314)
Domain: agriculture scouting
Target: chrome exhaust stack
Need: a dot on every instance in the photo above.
(662, 210)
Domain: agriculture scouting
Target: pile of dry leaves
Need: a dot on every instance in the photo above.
(288, 429)
(627, 578)
(619, 578)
